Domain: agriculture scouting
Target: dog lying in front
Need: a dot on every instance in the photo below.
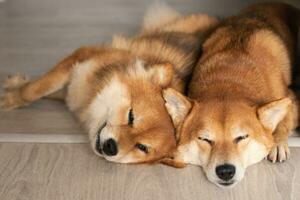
(115, 91)
(240, 108)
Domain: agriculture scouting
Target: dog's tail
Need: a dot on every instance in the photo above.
(158, 15)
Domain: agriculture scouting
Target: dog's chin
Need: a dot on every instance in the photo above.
(98, 154)
(223, 184)
(226, 185)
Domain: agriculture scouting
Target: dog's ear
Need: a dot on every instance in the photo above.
(272, 113)
(178, 106)
(161, 74)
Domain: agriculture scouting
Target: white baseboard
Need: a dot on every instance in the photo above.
(294, 141)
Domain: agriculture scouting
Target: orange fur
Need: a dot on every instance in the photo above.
(241, 107)
(104, 84)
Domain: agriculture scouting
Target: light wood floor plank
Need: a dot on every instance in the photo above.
(65, 171)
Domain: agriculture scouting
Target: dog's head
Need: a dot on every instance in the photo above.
(223, 136)
(127, 120)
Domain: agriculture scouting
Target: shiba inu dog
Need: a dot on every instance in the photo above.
(240, 108)
(116, 90)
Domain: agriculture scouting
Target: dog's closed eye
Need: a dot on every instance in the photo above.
(240, 138)
(210, 142)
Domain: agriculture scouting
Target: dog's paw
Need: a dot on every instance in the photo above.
(14, 82)
(279, 153)
(12, 99)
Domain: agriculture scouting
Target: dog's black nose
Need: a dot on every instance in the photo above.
(110, 147)
(225, 172)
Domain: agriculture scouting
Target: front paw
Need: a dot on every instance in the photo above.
(15, 82)
(279, 153)
(12, 99)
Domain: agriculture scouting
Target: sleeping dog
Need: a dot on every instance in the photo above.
(240, 108)
(115, 91)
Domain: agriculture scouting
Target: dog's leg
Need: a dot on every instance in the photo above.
(59, 95)
(280, 151)
(19, 91)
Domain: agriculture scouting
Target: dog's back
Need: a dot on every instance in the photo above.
(175, 39)
(259, 45)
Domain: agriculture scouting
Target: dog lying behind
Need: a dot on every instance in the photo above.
(116, 91)
(240, 108)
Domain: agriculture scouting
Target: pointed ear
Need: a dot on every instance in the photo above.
(272, 113)
(177, 105)
(162, 74)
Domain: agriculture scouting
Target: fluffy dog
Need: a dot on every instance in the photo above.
(240, 108)
(115, 91)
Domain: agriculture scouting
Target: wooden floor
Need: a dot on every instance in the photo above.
(43, 151)
(73, 172)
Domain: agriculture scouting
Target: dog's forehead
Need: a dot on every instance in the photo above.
(231, 117)
(216, 127)
(241, 124)
(239, 130)
(207, 133)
